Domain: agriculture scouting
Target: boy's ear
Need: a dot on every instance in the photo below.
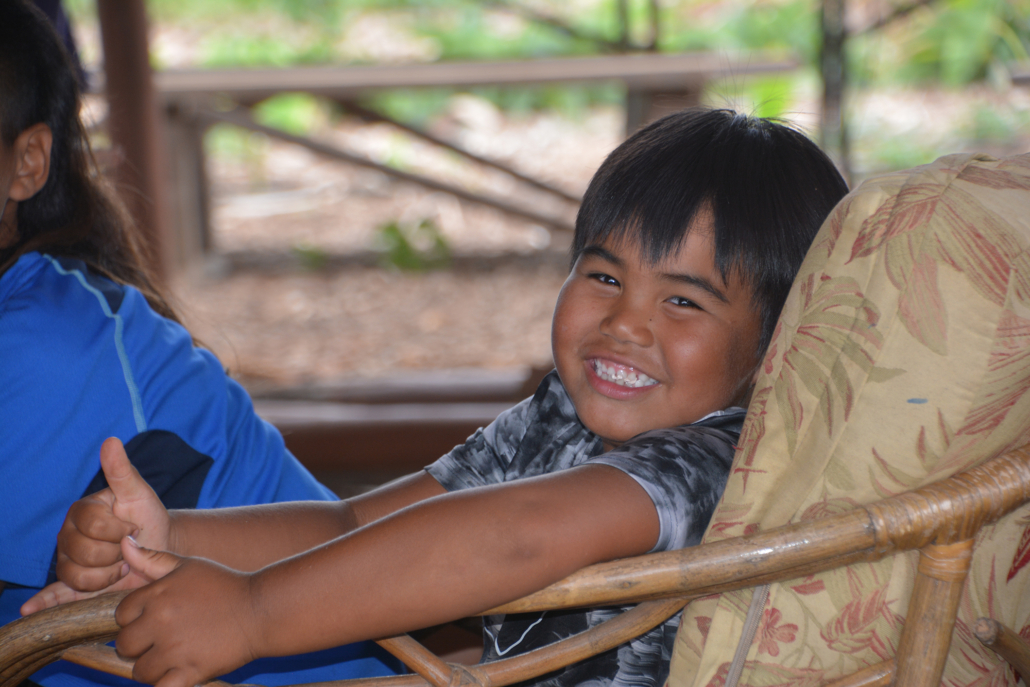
(31, 161)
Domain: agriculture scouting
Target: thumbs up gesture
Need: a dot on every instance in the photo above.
(89, 556)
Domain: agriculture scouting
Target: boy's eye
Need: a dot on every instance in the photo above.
(682, 302)
(604, 278)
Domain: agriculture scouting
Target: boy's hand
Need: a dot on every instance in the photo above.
(194, 623)
(89, 558)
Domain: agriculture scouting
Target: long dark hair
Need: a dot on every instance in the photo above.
(75, 214)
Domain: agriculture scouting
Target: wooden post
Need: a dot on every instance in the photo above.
(833, 133)
(930, 619)
(188, 198)
(1005, 643)
(133, 122)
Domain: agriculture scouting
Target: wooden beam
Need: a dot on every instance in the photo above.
(133, 122)
(641, 71)
(243, 119)
(371, 115)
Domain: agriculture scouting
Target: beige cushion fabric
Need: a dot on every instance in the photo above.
(902, 356)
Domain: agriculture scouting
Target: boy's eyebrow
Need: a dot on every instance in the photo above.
(699, 282)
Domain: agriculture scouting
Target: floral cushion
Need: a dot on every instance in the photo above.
(902, 356)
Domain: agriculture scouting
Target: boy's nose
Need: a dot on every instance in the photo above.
(628, 323)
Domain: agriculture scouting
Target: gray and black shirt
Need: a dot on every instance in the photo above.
(683, 469)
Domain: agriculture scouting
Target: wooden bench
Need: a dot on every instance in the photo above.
(656, 84)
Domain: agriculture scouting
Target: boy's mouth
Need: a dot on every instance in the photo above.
(621, 375)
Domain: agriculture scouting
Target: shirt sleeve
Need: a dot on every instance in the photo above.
(484, 457)
(257, 467)
(684, 471)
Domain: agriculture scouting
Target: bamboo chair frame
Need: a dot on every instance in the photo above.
(940, 520)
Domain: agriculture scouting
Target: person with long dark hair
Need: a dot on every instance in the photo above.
(91, 348)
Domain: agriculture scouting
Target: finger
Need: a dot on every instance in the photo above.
(93, 517)
(89, 553)
(53, 595)
(123, 479)
(88, 578)
(153, 565)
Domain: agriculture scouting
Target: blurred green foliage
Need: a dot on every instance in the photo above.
(239, 146)
(887, 152)
(990, 124)
(311, 257)
(412, 247)
(945, 42)
(241, 49)
(952, 42)
(294, 113)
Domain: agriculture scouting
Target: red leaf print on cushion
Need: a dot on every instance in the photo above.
(1007, 379)
(719, 679)
(809, 586)
(754, 429)
(852, 631)
(704, 623)
(996, 178)
(772, 633)
(928, 221)
(1020, 559)
(921, 307)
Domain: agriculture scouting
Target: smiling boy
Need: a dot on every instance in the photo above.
(686, 245)
(640, 347)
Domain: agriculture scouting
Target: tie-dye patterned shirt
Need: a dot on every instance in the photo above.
(683, 470)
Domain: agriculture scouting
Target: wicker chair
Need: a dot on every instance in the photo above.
(939, 520)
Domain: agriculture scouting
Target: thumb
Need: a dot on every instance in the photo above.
(124, 480)
(148, 563)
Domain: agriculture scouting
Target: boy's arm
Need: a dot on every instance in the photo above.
(440, 559)
(89, 559)
(248, 538)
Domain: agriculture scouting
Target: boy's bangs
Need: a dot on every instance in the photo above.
(648, 206)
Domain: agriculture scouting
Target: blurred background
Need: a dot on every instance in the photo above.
(365, 203)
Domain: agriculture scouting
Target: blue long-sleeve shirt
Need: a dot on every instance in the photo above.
(83, 359)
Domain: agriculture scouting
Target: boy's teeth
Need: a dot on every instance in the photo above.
(622, 376)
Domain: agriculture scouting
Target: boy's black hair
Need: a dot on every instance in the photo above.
(768, 189)
(74, 214)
